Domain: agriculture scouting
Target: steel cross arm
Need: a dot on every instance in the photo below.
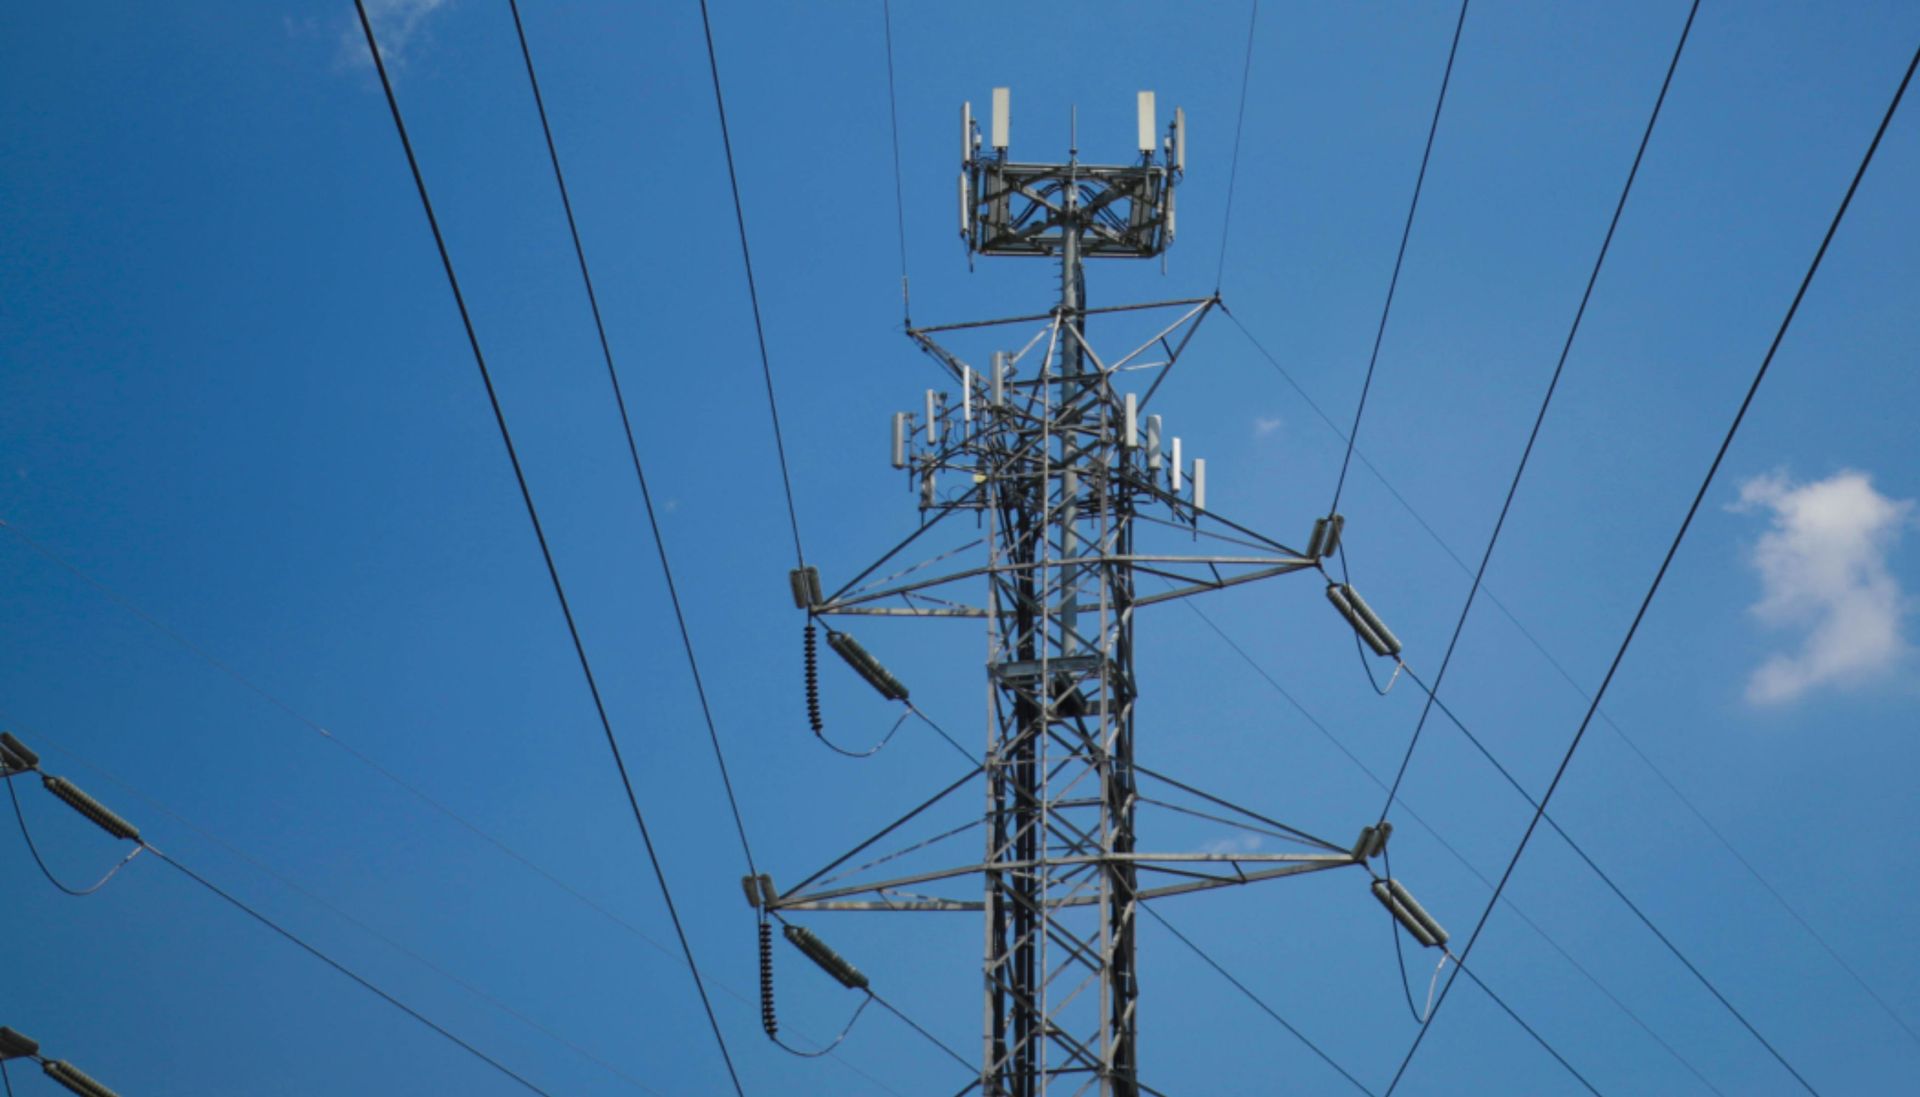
(930, 904)
(1268, 565)
(1291, 863)
(1027, 318)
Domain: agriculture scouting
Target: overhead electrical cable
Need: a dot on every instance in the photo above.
(1546, 402)
(336, 965)
(899, 188)
(26, 835)
(633, 448)
(1566, 675)
(546, 552)
(1399, 258)
(331, 736)
(1233, 169)
(1673, 549)
(318, 900)
(1450, 848)
(753, 292)
(119, 828)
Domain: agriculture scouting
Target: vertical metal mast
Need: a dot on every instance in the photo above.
(1056, 462)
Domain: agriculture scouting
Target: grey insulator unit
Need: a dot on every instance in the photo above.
(13, 1045)
(74, 1079)
(14, 753)
(91, 808)
(1373, 841)
(1411, 915)
(1326, 537)
(805, 582)
(829, 960)
(759, 891)
(1362, 618)
(899, 439)
(866, 666)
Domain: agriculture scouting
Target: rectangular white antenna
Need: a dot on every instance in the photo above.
(1175, 474)
(1131, 439)
(1170, 217)
(899, 439)
(966, 207)
(931, 424)
(999, 377)
(1149, 124)
(1180, 138)
(966, 131)
(1002, 107)
(1199, 483)
(1153, 441)
(966, 392)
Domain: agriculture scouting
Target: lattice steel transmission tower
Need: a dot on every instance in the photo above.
(1075, 494)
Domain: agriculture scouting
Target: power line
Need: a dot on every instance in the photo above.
(753, 292)
(1233, 169)
(1400, 256)
(1546, 402)
(1247, 991)
(1666, 562)
(1560, 668)
(633, 448)
(26, 835)
(1451, 850)
(899, 189)
(546, 553)
(346, 971)
(329, 735)
(318, 900)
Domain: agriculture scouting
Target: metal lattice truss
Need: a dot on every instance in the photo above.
(1074, 499)
(1024, 209)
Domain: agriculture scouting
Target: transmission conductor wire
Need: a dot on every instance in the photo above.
(1233, 169)
(1653, 589)
(546, 552)
(1566, 675)
(899, 188)
(1449, 847)
(753, 292)
(166, 630)
(633, 448)
(346, 971)
(1393, 283)
(1546, 402)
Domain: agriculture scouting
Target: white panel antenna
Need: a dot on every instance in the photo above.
(1175, 473)
(1180, 138)
(966, 392)
(1149, 123)
(966, 131)
(1131, 438)
(1153, 442)
(1002, 108)
(1199, 483)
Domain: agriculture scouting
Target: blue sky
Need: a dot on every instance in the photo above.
(235, 390)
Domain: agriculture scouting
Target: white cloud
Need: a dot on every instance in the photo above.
(396, 23)
(1264, 425)
(1823, 569)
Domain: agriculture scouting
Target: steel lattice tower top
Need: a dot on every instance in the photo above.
(1077, 494)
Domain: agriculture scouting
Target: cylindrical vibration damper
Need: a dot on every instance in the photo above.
(13, 1045)
(1402, 915)
(14, 753)
(1419, 913)
(829, 960)
(1338, 596)
(91, 808)
(74, 1079)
